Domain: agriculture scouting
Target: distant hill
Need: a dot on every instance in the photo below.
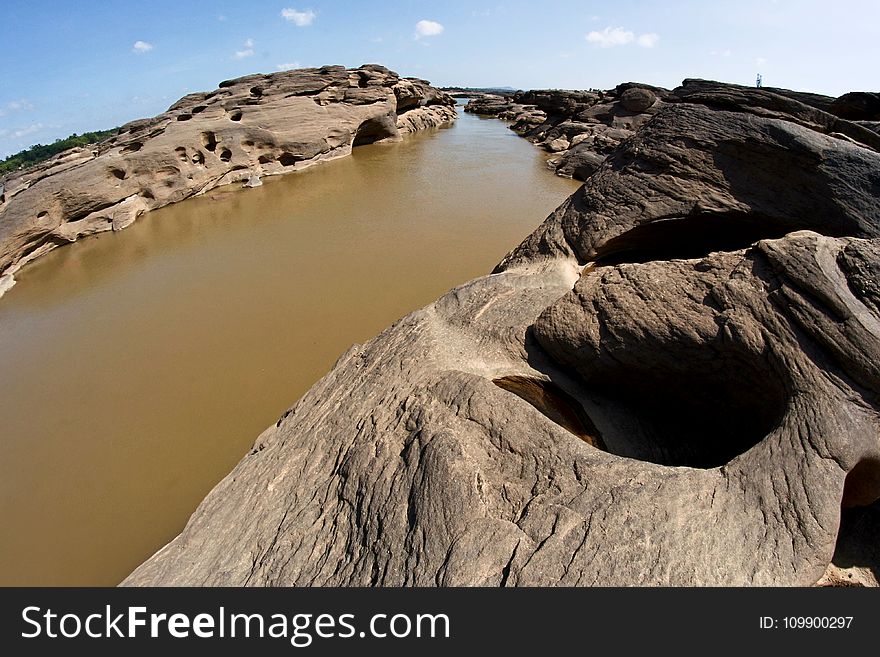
(39, 153)
(462, 91)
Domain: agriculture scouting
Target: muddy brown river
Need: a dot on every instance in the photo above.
(137, 368)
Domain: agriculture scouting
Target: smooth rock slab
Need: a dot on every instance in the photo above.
(673, 381)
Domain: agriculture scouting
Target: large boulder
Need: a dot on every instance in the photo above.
(673, 381)
(637, 99)
(857, 106)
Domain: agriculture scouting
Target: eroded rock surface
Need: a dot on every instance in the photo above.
(248, 128)
(579, 127)
(673, 381)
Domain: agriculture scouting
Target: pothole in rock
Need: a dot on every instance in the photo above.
(698, 419)
(692, 236)
(370, 131)
(701, 416)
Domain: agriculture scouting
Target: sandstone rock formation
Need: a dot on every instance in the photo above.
(580, 127)
(250, 127)
(673, 381)
(594, 123)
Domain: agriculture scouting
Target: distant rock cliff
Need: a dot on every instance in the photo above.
(253, 126)
(674, 380)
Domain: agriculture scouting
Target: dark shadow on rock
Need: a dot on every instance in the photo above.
(858, 540)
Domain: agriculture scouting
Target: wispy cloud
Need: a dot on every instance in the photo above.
(721, 53)
(221, 18)
(760, 61)
(247, 52)
(288, 65)
(376, 40)
(648, 40)
(618, 36)
(426, 28)
(21, 105)
(299, 18)
(27, 130)
(140, 47)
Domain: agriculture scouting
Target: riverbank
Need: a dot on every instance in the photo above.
(137, 367)
(247, 129)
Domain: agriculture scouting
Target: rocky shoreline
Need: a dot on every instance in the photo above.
(672, 381)
(248, 128)
(581, 128)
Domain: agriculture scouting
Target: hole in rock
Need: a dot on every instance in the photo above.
(555, 404)
(37, 245)
(184, 117)
(225, 155)
(209, 141)
(42, 214)
(198, 158)
(147, 194)
(181, 153)
(288, 159)
(256, 91)
(858, 543)
(118, 174)
(235, 116)
(373, 130)
(133, 147)
(87, 211)
(199, 109)
(701, 415)
(264, 159)
(862, 485)
(692, 236)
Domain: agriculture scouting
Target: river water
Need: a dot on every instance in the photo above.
(137, 368)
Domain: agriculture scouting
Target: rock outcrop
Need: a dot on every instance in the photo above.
(579, 127)
(582, 128)
(673, 381)
(248, 128)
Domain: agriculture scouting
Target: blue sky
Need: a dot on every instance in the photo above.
(84, 65)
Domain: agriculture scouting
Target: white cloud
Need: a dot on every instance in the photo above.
(648, 40)
(21, 105)
(376, 40)
(27, 130)
(610, 37)
(426, 28)
(760, 61)
(221, 18)
(247, 52)
(618, 36)
(298, 18)
(141, 47)
(288, 65)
